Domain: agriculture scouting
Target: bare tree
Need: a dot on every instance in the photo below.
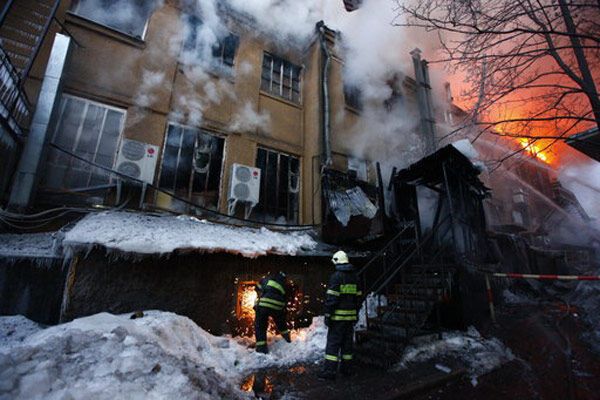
(532, 65)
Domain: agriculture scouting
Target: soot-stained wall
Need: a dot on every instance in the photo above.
(202, 287)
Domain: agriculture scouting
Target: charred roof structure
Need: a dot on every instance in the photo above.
(587, 142)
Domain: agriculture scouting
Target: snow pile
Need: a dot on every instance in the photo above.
(14, 329)
(162, 355)
(30, 245)
(151, 234)
(479, 354)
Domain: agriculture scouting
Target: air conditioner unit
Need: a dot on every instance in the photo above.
(137, 160)
(245, 184)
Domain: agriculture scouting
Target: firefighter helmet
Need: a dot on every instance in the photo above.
(340, 258)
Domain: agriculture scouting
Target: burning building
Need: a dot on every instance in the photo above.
(198, 108)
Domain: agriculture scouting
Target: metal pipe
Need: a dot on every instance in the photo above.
(325, 118)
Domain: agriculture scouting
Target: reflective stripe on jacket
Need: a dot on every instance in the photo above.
(343, 294)
(272, 293)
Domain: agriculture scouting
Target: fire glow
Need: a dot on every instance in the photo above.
(534, 150)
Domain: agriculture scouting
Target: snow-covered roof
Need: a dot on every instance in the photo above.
(161, 234)
(35, 245)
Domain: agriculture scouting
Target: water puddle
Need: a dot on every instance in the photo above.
(263, 384)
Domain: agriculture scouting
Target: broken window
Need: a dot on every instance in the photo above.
(280, 77)
(191, 165)
(90, 130)
(127, 16)
(279, 186)
(353, 97)
(199, 46)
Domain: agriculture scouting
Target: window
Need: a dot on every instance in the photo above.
(191, 165)
(90, 130)
(281, 78)
(220, 54)
(279, 186)
(127, 16)
(353, 97)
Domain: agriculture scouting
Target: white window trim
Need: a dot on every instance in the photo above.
(89, 102)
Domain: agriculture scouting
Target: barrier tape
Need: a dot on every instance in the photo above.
(547, 277)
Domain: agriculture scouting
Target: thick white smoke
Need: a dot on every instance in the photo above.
(375, 52)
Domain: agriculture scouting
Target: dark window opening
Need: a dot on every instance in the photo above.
(191, 165)
(281, 78)
(127, 16)
(279, 187)
(353, 97)
(222, 51)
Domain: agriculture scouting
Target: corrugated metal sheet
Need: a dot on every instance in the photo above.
(350, 203)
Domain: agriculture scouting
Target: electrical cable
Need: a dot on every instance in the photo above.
(185, 201)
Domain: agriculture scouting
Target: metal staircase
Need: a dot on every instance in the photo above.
(413, 279)
(23, 26)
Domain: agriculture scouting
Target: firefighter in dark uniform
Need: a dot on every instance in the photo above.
(271, 302)
(341, 313)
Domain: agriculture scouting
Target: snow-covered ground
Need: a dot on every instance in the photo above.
(30, 245)
(162, 355)
(150, 234)
(480, 355)
(16, 328)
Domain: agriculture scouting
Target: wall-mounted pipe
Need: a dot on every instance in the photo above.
(325, 115)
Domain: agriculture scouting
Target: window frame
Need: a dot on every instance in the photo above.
(74, 11)
(190, 192)
(73, 148)
(280, 93)
(215, 63)
(263, 195)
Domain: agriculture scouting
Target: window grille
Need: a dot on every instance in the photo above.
(90, 130)
(279, 186)
(191, 165)
(281, 78)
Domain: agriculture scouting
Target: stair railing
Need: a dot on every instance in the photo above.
(40, 40)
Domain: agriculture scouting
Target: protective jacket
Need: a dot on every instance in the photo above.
(343, 294)
(271, 303)
(272, 293)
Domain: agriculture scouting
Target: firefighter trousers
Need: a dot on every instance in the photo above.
(261, 323)
(340, 342)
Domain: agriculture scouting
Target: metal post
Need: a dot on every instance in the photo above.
(26, 176)
(490, 297)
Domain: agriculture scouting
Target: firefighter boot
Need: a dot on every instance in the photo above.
(326, 374)
(262, 348)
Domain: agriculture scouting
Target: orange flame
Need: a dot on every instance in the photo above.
(534, 150)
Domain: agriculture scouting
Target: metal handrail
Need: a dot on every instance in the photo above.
(386, 247)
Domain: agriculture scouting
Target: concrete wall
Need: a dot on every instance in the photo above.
(201, 287)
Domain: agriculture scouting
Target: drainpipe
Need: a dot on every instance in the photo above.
(424, 100)
(325, 115)
(27, 174)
